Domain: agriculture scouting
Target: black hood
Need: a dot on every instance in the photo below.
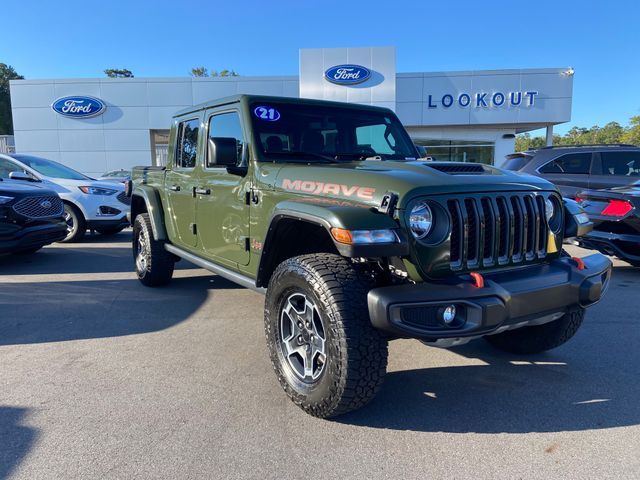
(22, 188)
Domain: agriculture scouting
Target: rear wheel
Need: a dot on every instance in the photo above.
(154, 265)
(76, 225)
(539, 338)
(326, 355)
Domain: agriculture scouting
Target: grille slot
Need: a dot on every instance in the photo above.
(40, 207)
(490, 231)
(123, 198)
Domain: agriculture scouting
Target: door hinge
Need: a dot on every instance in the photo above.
(247, 244)
(194, 228)
(247, 198)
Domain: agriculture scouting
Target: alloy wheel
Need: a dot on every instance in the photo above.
(303, 337)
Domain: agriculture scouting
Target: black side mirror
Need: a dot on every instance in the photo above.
(223, 151)
(17, 175)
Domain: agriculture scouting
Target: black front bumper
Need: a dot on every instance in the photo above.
(27, 238)
(508, 299)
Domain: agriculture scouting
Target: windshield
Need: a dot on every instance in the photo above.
(49, 168)
(290, 132)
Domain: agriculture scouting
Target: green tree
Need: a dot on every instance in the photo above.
(7, 73)
(612, 132)
(632, 134)
(527, 142)
(118, 73)
(199, 72)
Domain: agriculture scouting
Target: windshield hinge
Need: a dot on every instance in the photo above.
(388, 203)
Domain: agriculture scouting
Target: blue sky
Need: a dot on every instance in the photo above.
(601, 40)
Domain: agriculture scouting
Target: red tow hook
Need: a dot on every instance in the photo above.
(478, 279)
(579, 263)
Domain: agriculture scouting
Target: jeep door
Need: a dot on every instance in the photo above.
(180, 181)
(570, 172)
(222, 212)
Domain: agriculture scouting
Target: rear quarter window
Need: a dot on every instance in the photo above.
(620, 163)
(517, 162)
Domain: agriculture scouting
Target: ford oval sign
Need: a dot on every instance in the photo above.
(79, 107)
(347, 74)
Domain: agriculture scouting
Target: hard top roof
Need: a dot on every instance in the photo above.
(268, 98)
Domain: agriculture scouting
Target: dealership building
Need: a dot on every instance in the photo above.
(102, 124)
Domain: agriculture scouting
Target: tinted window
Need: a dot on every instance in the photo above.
(516, 162)
(301, 132)
(377, 138)
(187, 143)
(572, 163)
(6, 167)
(621, 163)
(226, 125)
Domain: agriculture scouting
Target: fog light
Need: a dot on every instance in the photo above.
(448, 315)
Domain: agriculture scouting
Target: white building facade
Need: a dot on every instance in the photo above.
(463, 116)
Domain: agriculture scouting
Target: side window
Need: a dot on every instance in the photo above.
(572, 163)
(6, 167)
(226, 125)
(187, 143)
(620, 163)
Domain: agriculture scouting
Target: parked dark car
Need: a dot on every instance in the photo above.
(616, 216)
(575, 168)
(31, 217)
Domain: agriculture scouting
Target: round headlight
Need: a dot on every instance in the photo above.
(549, 209)
(420, 220)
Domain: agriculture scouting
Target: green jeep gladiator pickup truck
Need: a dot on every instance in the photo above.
(326, 208)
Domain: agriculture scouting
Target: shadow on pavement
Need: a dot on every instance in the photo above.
(589, 383)
(88, 256)
(15, 439)
(59, 311)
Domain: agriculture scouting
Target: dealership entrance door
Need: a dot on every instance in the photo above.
(159, 147)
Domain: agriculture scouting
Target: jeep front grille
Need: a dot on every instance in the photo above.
(40, 207)
(493, 231)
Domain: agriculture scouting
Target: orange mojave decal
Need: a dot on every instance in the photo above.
(318, 188)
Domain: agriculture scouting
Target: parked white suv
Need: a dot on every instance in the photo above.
(88, 203)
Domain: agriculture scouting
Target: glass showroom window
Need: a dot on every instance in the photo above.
(458, 150)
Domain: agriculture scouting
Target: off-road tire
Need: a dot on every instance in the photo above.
(109, 231)
(356, 353)
(539, 338)
(78, 225)
(158, 263)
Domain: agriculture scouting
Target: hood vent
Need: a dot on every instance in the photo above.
(458, 168)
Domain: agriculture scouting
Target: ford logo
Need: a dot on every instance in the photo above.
(46, 204)
(79, 107)
(347, 74)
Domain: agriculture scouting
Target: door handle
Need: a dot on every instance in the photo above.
(175, 188)
(201, 191)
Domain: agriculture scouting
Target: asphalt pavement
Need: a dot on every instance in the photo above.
(101, 377)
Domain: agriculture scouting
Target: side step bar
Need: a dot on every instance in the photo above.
(230, 275)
